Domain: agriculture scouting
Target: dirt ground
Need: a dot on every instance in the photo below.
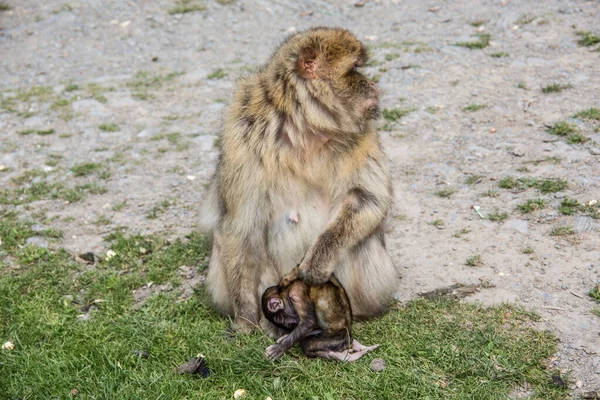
(141, 93)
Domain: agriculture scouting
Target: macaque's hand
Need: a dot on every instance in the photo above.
(274, 351)
(312, 273)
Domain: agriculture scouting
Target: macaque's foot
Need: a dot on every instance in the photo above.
(347, 355)
(282, 338)
(356, 346)
(274, 351)
(243, 325)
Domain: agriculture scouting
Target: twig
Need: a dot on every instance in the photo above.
(577, 295)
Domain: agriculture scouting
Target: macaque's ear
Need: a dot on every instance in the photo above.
(307, 63)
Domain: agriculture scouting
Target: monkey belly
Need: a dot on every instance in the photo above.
(294, 229)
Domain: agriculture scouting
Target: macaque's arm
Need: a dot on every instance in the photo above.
(289, 278)
(362, 211)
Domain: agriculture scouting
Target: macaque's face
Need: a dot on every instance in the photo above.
(274, 304)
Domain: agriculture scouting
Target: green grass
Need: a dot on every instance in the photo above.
(474, 179)
(41, 132)
(522, 85)
(592, 113)
(391, 56)
(478, 23)
(525, 19)
(498, 216)
(109, 127)
(563, 129)
(474, 261)
(556, 87)
(186, 6)
(4, 6)
(483, 41)
(562, 231)
(445, 192)
(576, 138)
(595, 293)
(527, 250)
(587, 39)
(49, 191)
(218, 73)
(434, 349)
(86, 168)
(531, 205)
(500, 54)
(438, 223)
(474, 107)
(544, 185)
(394, 114)
(569, 206)
(143, 83)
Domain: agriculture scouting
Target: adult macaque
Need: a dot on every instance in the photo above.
(319, 317)
(301, 176)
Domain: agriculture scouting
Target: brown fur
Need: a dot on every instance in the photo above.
(298, 139)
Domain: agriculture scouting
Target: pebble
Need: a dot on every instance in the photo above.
(148, 132)
(378, 364)
(595, 151)
(517, 225)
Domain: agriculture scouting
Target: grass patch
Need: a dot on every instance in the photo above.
(119, 206)
(569, 206)
(500, 54)
(527, 250)
(592, 113)
(545, 185)
(158, 209)
(49, 191)
(433, 348)
(563, 129)
(478, 23)
(474, 107)
(556, 87)
(391, 56)
(218, 73)
(438, 223)
(498, 216)
(394, 114)
(525, 19)
(41, 132)
(109, 127)
(562, 231)
(102, 220)
(474, 179)
(531, 205)
(4, 6)
(445, 192)
(186, 6)
(576, 138)
(474, 261)
(85, 169)
(143, 83)
(587, 39)
(483, 41)
(595, 293)
(522, 85)
(490, 193)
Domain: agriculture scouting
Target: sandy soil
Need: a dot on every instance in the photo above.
(437, 146)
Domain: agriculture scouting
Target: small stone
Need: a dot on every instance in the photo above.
(205, 142)
(579, 384)
(378, 364)
(239, 394)
(519, 152)
(517, 225)
(74, 392)
(8, 346)
(595, 151)
(196, 365)
(582, 223)
(89, 257)
(148, 132)
(359, 4)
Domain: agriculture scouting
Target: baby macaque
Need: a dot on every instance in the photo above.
(318, 317)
